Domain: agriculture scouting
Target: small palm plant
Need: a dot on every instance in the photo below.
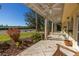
(14, 33)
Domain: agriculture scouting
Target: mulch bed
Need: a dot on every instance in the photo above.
(7, 49)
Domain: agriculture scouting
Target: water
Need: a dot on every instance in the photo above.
(2, 31)
(22, 30)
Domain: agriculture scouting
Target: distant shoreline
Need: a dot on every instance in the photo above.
(22, 30)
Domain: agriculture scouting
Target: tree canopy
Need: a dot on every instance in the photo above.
(31, 19)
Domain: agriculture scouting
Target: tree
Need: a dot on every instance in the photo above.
(34, 20)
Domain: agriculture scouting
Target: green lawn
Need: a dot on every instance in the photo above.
(5, 37)
(26, 34)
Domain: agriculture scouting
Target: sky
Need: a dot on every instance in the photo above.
(12, 14)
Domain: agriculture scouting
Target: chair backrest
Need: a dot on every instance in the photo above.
(60, 53)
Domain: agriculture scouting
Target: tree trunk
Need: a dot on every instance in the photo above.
(36, 23)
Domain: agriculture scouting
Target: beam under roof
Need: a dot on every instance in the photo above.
(47, 10)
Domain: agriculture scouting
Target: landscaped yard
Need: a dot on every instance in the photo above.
(10, 46)
(5, 37)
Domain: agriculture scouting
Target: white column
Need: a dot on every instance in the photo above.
(75, 27)
(75, 32)
(46, 29)
(52, 28)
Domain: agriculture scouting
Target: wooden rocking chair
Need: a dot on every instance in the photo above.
(60, 53)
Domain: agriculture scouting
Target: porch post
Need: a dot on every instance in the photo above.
(75, 33)
(52, 27)
(46, 29)
(75, 27)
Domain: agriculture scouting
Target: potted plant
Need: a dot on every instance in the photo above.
(67, 42)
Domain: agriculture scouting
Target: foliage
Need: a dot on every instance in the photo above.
(2, 27)
(31, 20)
(14, 33)
(37, 37)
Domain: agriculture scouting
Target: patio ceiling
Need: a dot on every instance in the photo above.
(51, 11)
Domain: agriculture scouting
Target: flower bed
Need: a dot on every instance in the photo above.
(8, 48)
(16, 44)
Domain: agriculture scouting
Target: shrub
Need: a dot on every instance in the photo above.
(37, 37)
(42, 35)
(14, 33)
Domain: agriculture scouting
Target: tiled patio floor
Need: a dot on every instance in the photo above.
(42, 48)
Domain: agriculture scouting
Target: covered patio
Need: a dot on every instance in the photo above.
(50, 12)
(58, 14)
